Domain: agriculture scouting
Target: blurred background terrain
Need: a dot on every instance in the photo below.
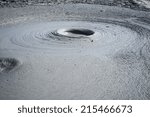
(133, 4)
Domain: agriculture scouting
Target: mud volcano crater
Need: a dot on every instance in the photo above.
(7, 64)
(85, 32)
(75, 32)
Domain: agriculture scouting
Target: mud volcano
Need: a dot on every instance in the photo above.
(74, 51)
(77, 33)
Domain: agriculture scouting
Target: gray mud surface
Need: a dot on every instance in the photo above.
(74, 51)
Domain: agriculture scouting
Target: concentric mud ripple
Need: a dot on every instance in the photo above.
(64, 35)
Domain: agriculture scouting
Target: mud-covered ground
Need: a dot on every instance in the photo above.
(74, 51)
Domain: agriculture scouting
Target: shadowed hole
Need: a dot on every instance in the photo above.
(85, 32)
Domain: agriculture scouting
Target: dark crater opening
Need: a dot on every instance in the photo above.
(85, 32)
(7, 64)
